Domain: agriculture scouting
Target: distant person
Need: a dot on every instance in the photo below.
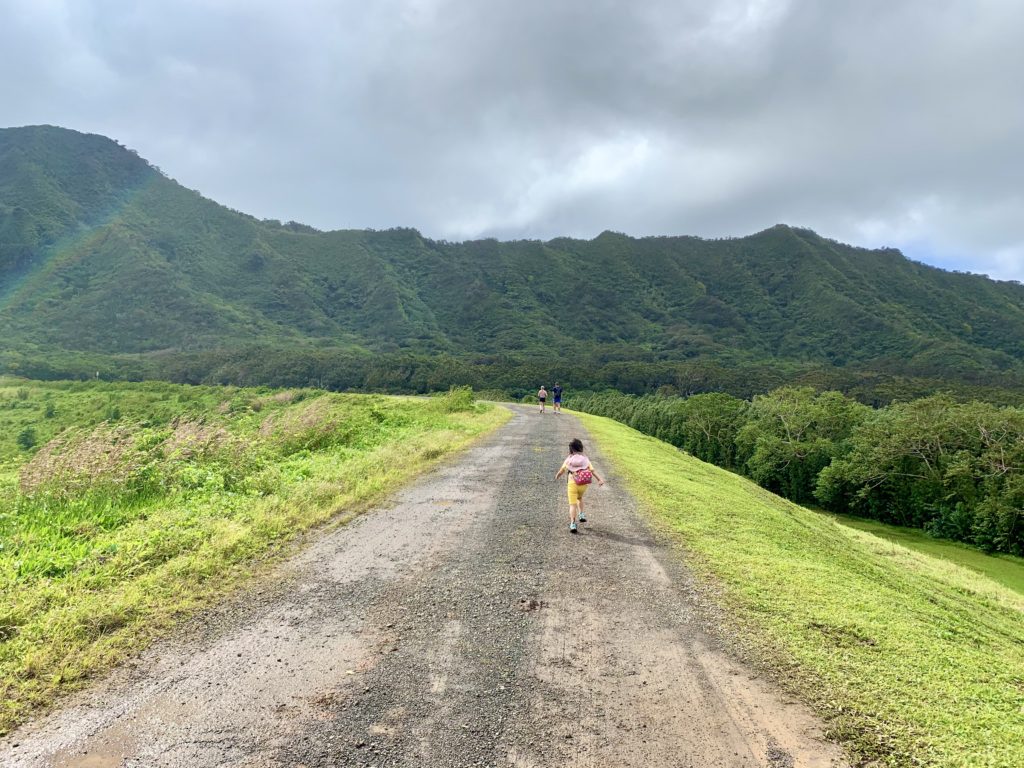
(542, 396)
(556, 393)
(581, 473)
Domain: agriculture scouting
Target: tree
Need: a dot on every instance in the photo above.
(793, 433)
(708, 426)
(954, 469)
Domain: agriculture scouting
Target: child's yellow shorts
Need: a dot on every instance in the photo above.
(576, 491)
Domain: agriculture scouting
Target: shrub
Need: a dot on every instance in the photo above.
(27, 438)
(317, 424)
(457, 399)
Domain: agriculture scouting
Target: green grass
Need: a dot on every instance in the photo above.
(911, 659)
(1005, 569)
(153, 499)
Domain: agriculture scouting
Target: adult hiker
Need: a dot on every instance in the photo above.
(556, 393)
(580, 474)
(542, 396)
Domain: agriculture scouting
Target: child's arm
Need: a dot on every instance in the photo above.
(594, 473)
(561, 471)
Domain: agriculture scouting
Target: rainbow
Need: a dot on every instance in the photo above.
(75, 245)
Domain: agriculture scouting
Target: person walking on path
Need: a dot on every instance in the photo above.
(542, 396)
(580, 474)
(556, 392)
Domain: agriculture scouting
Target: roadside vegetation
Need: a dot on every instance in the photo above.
(912, 660)
(952, 469)
(1005, 569)
(123, 507)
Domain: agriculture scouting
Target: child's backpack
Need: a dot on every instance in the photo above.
(583, 476)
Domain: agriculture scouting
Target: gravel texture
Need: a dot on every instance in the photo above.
(459, 625)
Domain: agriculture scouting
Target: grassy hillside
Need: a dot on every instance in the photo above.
(1004, 569)
(124, 507)
(912, 660)
(103, 256)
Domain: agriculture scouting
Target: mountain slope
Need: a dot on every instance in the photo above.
(101, 253)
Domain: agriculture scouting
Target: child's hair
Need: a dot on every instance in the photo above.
(576, 446)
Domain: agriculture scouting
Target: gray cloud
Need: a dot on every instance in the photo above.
(879, 123)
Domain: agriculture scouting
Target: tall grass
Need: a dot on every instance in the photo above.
(111, 531)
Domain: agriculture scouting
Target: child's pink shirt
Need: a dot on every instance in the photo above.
(576, 462)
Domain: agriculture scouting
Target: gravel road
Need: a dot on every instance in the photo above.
(458, 625)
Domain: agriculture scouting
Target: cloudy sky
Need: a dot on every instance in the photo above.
(877, 122)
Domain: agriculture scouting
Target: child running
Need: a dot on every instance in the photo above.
(580, 473)
(542, 396)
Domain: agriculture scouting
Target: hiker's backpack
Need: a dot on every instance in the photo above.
(583, 476)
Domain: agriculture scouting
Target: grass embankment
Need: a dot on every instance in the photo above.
(912, 660)
(124, 507)
(1005, 569)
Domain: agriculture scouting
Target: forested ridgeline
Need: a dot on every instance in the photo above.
(955, 469)
(108, 263)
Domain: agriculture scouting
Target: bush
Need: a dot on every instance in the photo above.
(457, 399)
(27, 438)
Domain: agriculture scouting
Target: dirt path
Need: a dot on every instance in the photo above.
(461, 625)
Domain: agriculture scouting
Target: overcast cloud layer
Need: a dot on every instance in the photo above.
(877, 122)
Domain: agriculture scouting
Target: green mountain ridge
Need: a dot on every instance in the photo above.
(103, 256)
